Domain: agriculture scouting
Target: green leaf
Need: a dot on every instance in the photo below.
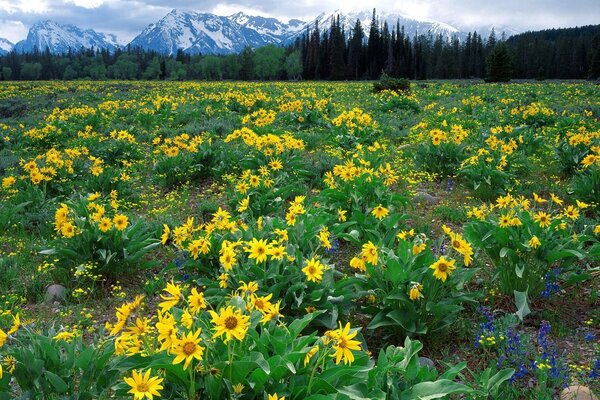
(496, 381)
(519, 269)
(435, 390)
(522, 304)
(565, 253)
(59, 384)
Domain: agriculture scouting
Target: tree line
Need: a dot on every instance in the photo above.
(334, 54)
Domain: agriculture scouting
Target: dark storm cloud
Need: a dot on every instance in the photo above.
(127, 18)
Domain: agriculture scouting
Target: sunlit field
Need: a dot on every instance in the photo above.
(308, 240)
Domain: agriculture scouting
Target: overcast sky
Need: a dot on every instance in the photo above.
(127, 18)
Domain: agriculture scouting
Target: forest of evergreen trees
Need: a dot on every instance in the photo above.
(334, 54)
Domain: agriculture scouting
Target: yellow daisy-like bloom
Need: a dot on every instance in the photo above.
(275, 396)
(543, 219)
(165, 235)
(247, 289)
(571, 212)
(589, 160)
(276, 164)
(167, 331)
(16, 324)
(415, 291)
(196, 301)
(65, 336)
(238, 388)
(105, 224)
(231, 322)
(271, 313)
(227, 257)
(8, 181)
(10, 363)
(223, 280)
(534, 242)
(380, 212)
(418, 248)
(3, 337)
(120, 221)
(67, 230)
(173, 297)
(505, 221)
(310, 354)
(443, 268)
(343, 344)
(342, 215)
(538, 199)
(358, 263)
(369, 253)
(262, 303)
(143, 385)
(556, 199)
(313, 270)
(277, 252)
(187, 348)
(243, 204)
(258, 250)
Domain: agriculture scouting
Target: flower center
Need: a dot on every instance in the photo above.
(189, 348)
(312, 269)
(231, 322)
(443, 267)
(142, 387)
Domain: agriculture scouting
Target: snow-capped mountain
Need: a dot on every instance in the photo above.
(411, 26)
(60, 38)
(207, 33)
(486, 30)
(270, 28)
(5, 46)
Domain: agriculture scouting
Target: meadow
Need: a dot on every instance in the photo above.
(307, 240)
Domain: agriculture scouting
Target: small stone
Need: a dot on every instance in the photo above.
(424, 361)
(55, 293)
(577, 393)
(425, 198)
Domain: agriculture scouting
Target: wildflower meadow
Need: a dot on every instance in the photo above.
(299, 240)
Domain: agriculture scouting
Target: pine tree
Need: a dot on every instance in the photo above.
(355, 52)
(595, 64)
(499, 64)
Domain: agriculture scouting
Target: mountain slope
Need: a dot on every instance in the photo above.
(207, 33)
(60, 38)
(5, 46)
(411, 26)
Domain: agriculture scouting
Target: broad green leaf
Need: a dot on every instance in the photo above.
(522, 304)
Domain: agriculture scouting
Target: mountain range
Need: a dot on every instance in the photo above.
(206, 33)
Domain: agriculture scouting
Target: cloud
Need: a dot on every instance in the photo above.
(13, 30)
(126, 18)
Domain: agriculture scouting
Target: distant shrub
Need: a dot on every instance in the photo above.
(388, 83)
(12, 108)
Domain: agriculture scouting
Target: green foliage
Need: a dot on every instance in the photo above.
(436, 304)
(56, 368)
(585, 186)
(268, 62)
(510, 239)
(113, 251)
(392, 84)
(293, 65)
